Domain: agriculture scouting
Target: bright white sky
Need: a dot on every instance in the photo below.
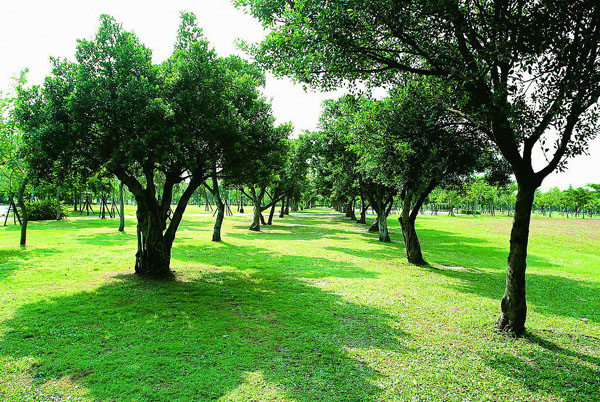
(33, 30)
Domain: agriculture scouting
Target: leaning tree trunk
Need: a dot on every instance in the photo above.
(24, 212)
(514, 304)
(154, 253)
(375, 225)
(271, 213)
(409, 234)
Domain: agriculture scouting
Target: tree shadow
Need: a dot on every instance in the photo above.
(203, 338)
(544, 367)
(13, 258)
(268, 263)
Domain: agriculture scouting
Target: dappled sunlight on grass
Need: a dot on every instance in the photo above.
(313, 308)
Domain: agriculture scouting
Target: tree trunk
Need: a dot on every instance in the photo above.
(350, 210)
(257, 217)
(287, 207)
(241, 208)
(409, 234)
(514, 305)
(282, 212)
(220, 211)
(375, 226)
(24, 212)
(271, 213)
(58, 211)
(384, 234)
(121, 209)
(363, 213)
(154, 254)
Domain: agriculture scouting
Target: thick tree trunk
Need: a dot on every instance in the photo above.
(514, 304)
(154, 253)
(409, 234)
(121, 209)
(256, 219)
(24, 212)
(384, 234)
(58, 211)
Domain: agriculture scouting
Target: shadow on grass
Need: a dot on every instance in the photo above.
(14, 258)
(543, 366)
(210, 336)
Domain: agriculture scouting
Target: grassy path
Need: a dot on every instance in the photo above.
(311, 309)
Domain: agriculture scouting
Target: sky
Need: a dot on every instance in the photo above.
(33, 30)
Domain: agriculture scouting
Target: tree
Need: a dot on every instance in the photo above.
(528, 72)
(410, 141)
(152, 126)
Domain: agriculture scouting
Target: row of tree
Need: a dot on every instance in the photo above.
(525, 73)
(163, 130)
(478, 196)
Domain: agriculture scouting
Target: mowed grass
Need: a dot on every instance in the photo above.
(311, 309)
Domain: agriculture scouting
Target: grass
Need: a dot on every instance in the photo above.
(311, 309)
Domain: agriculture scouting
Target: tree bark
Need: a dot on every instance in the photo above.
(514, 304)
(287, 206)
(363, 213)
(153, 256)
(24, 212)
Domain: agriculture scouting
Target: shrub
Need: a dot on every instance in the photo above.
(468, 212)
(43, 210)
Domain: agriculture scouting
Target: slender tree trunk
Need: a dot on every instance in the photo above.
(121, 209)
(241, 209)
(58, 211)
(216, 237)
(271, 213)
(363, 213)
(282, 212)
(154, 253)
(287, 206)
(514, 304)
(24, 212)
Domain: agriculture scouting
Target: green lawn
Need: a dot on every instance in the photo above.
(311, 309)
